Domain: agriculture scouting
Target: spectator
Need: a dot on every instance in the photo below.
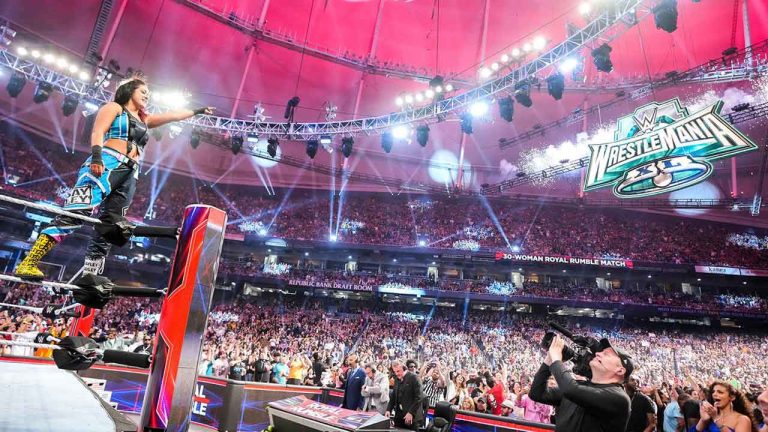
(433, 384)
(730, 410)
(280, 370)
(375, 390)
(145, 347)
(642, 416)
(353, 387)
(113, 342)
(406, 405)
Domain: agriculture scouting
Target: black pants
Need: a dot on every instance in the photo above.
(400, 422)
(112, 193)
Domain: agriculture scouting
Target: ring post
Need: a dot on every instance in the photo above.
(168, 398)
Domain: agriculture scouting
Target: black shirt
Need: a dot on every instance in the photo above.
(317, 369)
(641, 407)
(581, 406)
(691, 412)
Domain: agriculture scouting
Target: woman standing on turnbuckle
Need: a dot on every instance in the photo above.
(108, 177)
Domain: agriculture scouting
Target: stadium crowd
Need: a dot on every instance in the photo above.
(482, 361)
(437, 222)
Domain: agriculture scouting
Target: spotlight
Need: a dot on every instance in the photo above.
(422, 243)
(69, 106)
(556, 85)
(478, 109)
(83, 75)
(194, 139)
(436, 82)
(43, 91)
(21, 51)
(16, 84)
(346, 146)
(408, 99)
(568, 65)
(422, 135)
(312, 148)
(400, 132)
(90, 107)
(523, 94)
(466, 123)
(272, 144)
(252, 138)
(449, 87)
(236, 143)
(290, 107)
(506, 108)
(485, 72)
(399, 101)
(539, 43)
(333, 237)
(665, 15)
(602, 58)
(516, 52)
(326, 140)
(585, 8)
(386, 141)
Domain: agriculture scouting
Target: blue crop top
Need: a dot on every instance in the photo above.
(128, 128)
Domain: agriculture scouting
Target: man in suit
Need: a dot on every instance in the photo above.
(353, 385)
(376, 390)
(405, 405)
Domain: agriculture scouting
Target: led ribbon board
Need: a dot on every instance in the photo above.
(662, 148)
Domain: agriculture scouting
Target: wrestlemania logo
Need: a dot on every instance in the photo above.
(662, 148)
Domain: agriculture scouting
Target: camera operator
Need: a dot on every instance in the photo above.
(590, 406)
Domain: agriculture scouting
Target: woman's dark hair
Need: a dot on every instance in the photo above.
(740, 403)
(125, 91)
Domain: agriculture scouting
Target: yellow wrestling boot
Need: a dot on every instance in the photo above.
(28, 268)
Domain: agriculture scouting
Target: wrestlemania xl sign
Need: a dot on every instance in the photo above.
(662, 148)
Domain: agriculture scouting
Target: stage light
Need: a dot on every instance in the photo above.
(236, 143)
(466, 123)
(399, 101)
(16, 84)
(346, 146)
(422, 135)
(429, 93)
(419, 97)
(69, 105)
(408, 99)
(272, 144)
(21, 51)
(665, 15)
(449, 87)
(49, 58)
(506, 108)
(43, 91)
(504, 58)
(494, 66)
(516, 52)
(326, 140)
(35, 54)
(62, 63)
(479, 109)
(527, 47)
(568, 65)
(73, 69)
(438, 89)
(602, 58)
(312, 146)
(523, 94)
(387, 141)
(252, 138)
(585, 8)
(194, 139)
(485, 72)
(290, 107)
(83, 75)
(174, 130)
(333, 237)
(556, 85)
(539, 43)
(90, 107)
(422, 243)
(400, 132)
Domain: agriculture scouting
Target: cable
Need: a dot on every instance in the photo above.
(149, 40)
(304, 46)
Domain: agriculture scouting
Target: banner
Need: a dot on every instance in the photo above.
(329, 285)
(554, 259)
(661, 148)
(731, 271)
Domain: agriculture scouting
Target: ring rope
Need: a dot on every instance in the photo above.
(49, 208)
(26, 308)
(51, 284)
(29, 344)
